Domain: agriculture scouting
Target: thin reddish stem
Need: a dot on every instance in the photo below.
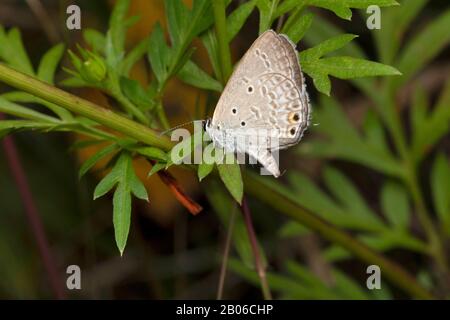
(32, 215)
(255, 248)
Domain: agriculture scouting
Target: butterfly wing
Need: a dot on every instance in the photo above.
(265, 91)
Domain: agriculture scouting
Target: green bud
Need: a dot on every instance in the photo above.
(93, 69)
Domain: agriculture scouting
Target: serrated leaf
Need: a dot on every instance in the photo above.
(192, 74)
(13, 51)
(89, 163)
(395, 205)
(440, 186)
(127, 182)
(49, 63)
(230, 174)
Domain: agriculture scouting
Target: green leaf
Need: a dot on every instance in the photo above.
(230, 174)
(117, 27)
(121, 215)
(127, 182)
(344, 142)
(338, 7)
(211, 45)
(49, 63)
(158, 53)
(292, 229)
(347, 194)
(184, 149)
(204, 169)
(13, 51)
(423, 47)
(299, 27)
(395, 22)
(395, 204)
(267, 10)
(137, 95)
(156, 167)
(374, 132)
(237, 18)
(152, 153)
(193, 75)
(136, 186)
(22, 112)
(183, 24)
(349, 67)
(89, 163)
(134, 55)
(326, 46)
(434, 126)
(440, 186)
(95, 39)
(322, 30)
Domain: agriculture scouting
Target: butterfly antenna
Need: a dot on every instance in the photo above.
(179, 126)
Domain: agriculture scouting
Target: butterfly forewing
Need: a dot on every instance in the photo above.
(265, 91)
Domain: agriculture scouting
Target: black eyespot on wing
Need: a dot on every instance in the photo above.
(234, 110)
(249, 89)
(242, 123)
(292, 132)
(296, 117)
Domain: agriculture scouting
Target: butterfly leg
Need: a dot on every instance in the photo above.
(266, 159)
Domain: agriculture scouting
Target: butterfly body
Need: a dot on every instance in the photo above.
(264, 106)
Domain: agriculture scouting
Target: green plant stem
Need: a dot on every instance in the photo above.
(83, 107)
(392, 271)
(131, 108)
(226, 254)
(222, 38)
(162, 116)
(272, 197)
(260, 269)
(436, 249)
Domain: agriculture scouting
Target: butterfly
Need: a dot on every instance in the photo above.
(264, 97)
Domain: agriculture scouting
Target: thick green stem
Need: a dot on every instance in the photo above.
(83, 107)
(253, 185)
(222, 38)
